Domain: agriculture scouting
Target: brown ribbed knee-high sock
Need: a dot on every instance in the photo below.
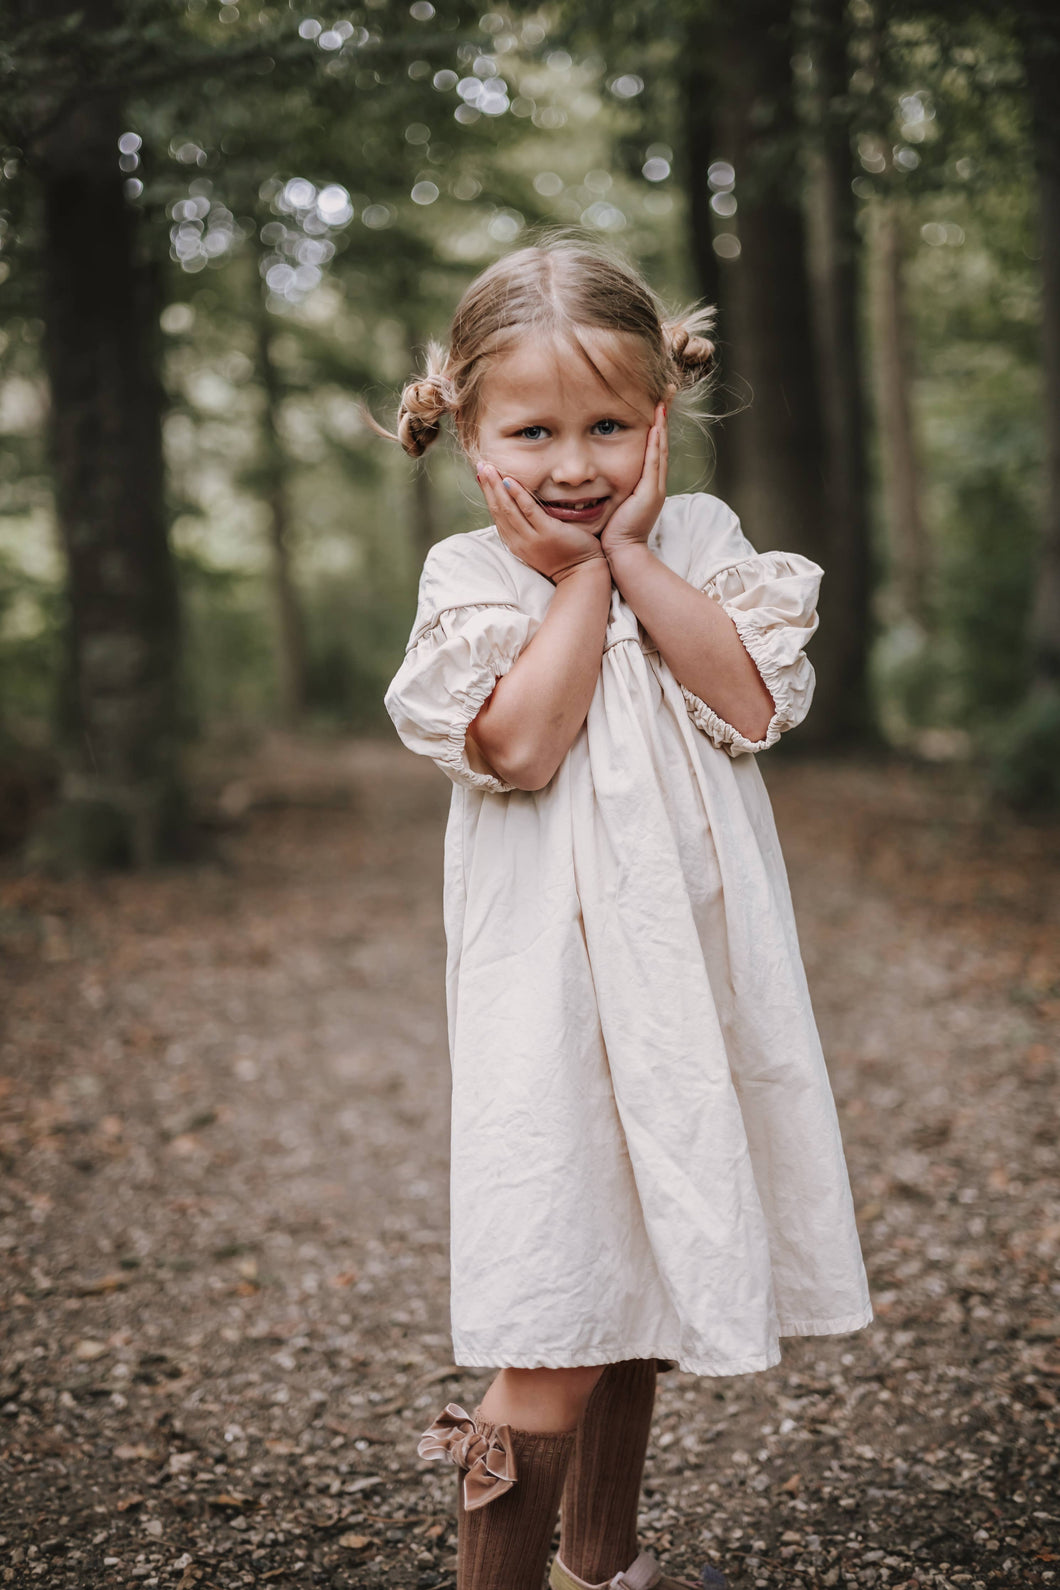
(505, 1545)
(598, 1536)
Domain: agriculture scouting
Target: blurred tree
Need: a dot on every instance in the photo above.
(290, 628)
(122, 795)
(353, 177)
(835, 255)
(1030, 767)
(776, 442)
(767, 164)
(698, 145)
(787, 459)
(893, 359)
(315, 196)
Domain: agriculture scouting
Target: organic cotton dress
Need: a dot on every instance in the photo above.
(646, 1161)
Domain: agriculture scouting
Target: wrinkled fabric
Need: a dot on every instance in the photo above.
(646, 1160)
(482, 1450)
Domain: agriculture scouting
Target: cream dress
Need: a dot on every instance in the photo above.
(646, 1161)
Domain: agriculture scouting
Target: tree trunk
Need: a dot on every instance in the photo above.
(898, 455)
(289, 628)
(122, 797)
(1042, 60)
(774, 449)
(835, 257)
(699, 145)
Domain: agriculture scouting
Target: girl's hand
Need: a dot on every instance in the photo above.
(548, 545)
(633, 522)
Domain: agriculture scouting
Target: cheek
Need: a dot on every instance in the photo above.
(514, 461)
(629, 467)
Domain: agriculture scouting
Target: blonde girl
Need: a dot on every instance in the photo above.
(646, 1163)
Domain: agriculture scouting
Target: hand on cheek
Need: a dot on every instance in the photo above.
(551, 547)
(633, 521)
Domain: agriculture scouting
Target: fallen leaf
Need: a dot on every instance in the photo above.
(183, 1145)
(87, 1349)
(351, 1433)
(450, 1372)
(114, 1282)
(231, 1499)
(355, 1542)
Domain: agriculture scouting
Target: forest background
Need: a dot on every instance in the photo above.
(225, 226)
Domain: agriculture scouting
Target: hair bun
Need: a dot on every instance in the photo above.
(423, 404)
(692, 353)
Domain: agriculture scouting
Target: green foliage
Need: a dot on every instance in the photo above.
(356, 643)
(1025, 754)
(31, 629)
(80, 836)
(229, 674)
(241, 120)
(985, 593)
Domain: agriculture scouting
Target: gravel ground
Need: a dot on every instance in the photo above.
(223, 1311)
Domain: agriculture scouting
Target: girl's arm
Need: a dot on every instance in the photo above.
(696, 637)
(530, 721)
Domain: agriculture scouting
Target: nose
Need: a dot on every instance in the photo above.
(572, 465)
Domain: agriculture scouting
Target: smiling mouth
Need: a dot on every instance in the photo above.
(573, 509)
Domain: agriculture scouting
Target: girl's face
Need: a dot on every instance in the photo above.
(549, 421)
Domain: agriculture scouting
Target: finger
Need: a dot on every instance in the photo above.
(501, 503)
(647, 485)
(535, 521)
(526, 503)
(664, 446)
(486, 476)
(514, 529)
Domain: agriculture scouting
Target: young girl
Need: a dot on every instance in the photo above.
(646, 1163)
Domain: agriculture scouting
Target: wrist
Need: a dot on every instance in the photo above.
(585, 570)
(627, 559)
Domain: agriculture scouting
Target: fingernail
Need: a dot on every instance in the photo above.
(509, 485)
(480, 467)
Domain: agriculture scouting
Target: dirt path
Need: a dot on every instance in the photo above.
(223, 1308)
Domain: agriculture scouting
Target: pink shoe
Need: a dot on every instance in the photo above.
(644, 1574)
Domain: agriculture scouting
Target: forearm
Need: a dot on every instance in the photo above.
(696, 638)
(530, 721)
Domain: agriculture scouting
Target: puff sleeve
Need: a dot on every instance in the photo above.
(771, 597)
(452, 664)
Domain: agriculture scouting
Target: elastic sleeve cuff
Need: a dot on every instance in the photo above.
(770, 599)
(450, 670)
(454, 758)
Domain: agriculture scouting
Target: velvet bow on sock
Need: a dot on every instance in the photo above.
(483, 1451)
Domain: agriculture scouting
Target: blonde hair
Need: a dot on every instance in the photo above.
(559, 288)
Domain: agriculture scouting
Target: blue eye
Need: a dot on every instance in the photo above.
(608, 427)
(532, 433)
